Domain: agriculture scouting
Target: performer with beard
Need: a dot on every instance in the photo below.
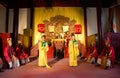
(107, 56)
(9, 55)
(92, 53)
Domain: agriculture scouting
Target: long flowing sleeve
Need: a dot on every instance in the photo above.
(70, 47)
(6, 54)
(73, 53)
(43, 49)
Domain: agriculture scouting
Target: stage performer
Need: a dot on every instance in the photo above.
(107, 56)
(67, 37)
(92, 53)
(19, 49)
(43, 49)
(9, 55)
(73, 51)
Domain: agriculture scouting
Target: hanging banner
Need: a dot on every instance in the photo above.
(41, 28)
(65, 28)
(51, 28)
(78, 29)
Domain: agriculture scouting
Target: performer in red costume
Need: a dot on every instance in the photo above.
(24, 57)
(92, 53)
(9, 55)
(107, 56)
(19, 49)
(67, 37)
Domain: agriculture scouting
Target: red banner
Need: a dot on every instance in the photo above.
(78, 29)
(41, 28)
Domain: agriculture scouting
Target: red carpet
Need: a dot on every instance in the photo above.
(60, 69)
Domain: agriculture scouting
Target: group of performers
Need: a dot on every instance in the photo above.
(73, 52)
(16, 57)
(105, 59)
(107, 56)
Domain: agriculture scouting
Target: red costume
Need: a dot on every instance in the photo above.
(18, 50)
(23, 56)
(109, 52)
(67, 37)
(92, 53)
(8, 52)
(10, 56)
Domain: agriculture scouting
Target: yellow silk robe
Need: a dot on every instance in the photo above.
(42, 60)
(73, 53)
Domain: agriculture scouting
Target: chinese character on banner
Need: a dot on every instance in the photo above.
(78, 29)
(41, 28)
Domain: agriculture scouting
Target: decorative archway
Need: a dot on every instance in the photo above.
(58, 22)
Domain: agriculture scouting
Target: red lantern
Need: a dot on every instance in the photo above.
(41, 28)
(78, 29)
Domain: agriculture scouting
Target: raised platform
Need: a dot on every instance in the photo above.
(60, 69)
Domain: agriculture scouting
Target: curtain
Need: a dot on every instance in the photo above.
(111, 15)
(117, 11)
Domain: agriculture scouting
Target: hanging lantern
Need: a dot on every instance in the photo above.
(78, 29)
(51, 28)
(65, 28)
(41, 28)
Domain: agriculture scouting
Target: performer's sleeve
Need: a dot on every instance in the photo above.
(111, 52)
(76, 50)
(6, 54)
(70, 45)
(94, 54)
(46, 47)
(40, 46)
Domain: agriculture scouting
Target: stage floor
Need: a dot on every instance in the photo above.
(60, 69)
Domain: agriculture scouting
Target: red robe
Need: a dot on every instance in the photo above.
(23, 56)
(8, 52)
(92, 51)
(18, 52)
(67, 37)
(110, 53)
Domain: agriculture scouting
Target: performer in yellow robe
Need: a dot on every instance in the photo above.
(73, 51)
(43, 48)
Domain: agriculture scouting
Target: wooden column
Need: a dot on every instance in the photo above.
(85, 26)
(15, 26)
(7, 19)
(32, 17)
(99, 27)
